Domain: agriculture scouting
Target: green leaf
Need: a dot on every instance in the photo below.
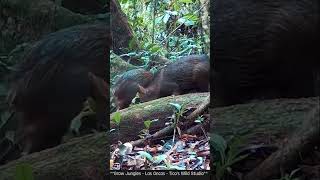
(219, 144)
(116, 118)
(199, 119)
(147, 124)
(176, 105)
(166, 17)
(191, 17)
(23, 172)
(185, 1)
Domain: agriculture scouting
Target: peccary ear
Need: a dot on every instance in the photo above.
(141, 89)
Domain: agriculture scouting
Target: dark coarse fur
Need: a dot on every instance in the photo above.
(264, 49)
(188, 74)
(53, 81)
(126, 86)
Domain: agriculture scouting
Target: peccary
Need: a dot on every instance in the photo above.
(57, 75)
(126, 87)
(264, 49)
(187, 74)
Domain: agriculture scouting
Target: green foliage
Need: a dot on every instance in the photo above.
(147, 124)
(117, 118)
(145, 132)
(23, 172)
(199, 119)
(179, 110)
(170, 28)
(226, 154)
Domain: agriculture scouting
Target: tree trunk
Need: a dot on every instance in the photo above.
(120, 29)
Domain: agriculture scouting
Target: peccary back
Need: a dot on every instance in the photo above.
(188, 74)
(57, 75)
(264, 49)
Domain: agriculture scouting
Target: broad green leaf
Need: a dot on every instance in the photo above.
(23, 172)
(147, 123)
(219, 144)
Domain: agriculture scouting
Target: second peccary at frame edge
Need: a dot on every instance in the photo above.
(264, 49)
(57, 75)
(188, 74)
(126, 86)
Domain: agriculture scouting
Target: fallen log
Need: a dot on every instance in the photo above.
(133, 117)
(301, 142)
(82, 158)
(262, 122)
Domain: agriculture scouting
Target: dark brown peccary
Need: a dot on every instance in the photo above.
(53, 81)
(264, 50)
(188, 74)
(126, 87)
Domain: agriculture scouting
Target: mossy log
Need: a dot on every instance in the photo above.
(266, 121)
(301, 143)
(133, 117)
(262, 122)
(82, 158)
